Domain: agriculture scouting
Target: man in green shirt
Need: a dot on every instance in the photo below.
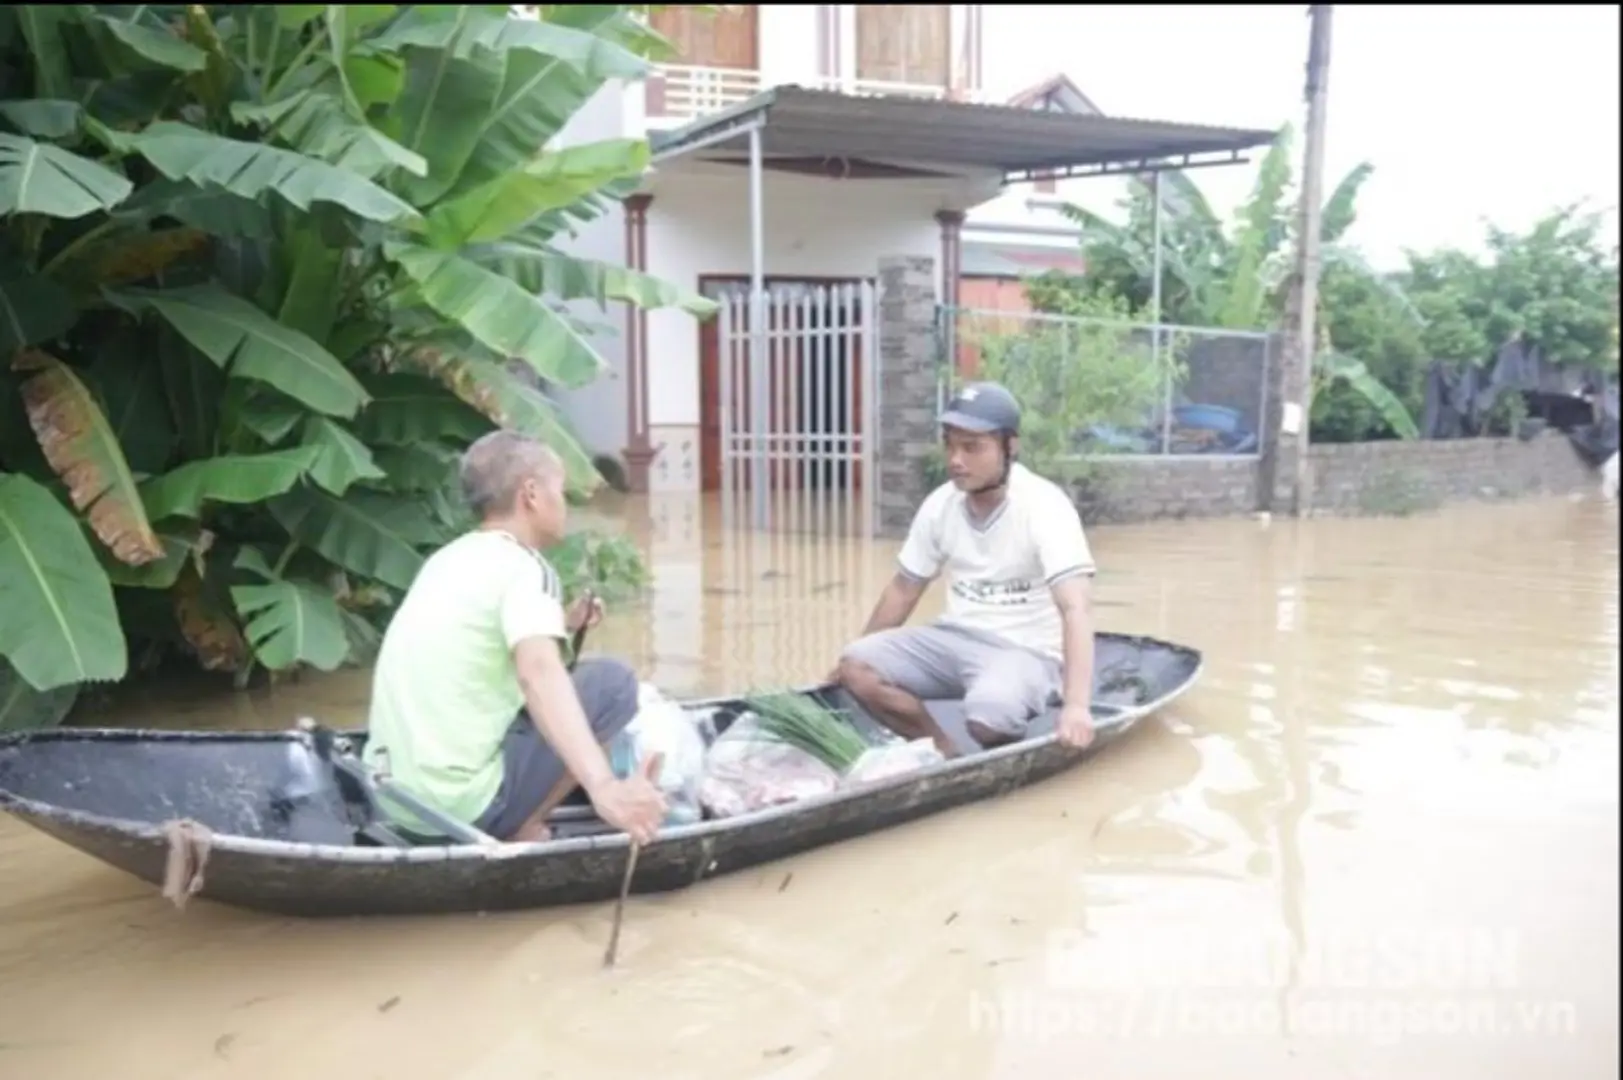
(473, 709)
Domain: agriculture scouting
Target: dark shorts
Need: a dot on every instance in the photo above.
(607, 689)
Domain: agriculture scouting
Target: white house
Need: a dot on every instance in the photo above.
(877, 141)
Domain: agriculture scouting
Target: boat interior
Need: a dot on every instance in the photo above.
(309, 785)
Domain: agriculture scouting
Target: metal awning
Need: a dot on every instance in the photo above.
(793, 121)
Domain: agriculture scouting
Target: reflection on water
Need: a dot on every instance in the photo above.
(1405, 743)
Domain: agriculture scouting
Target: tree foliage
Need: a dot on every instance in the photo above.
(264, 270)
(1554, 285)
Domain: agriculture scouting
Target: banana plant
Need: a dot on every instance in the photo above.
(265, 270)
(1237, 277)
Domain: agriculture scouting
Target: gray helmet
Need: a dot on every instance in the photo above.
(983, 407)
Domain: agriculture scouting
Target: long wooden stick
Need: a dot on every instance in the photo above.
(620, 908)
(650, 770)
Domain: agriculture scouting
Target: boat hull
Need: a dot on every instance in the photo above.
(336, 879)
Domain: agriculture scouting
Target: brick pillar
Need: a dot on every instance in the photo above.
(908, 365)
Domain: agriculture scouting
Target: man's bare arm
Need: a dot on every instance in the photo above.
(1074, 598)
(549, 695)
(896, 603)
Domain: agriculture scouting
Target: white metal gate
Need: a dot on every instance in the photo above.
(798, 407)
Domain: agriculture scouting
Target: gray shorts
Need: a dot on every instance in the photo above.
(607, 689)
(1002, 686)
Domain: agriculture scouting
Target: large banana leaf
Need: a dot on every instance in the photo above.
(42, 118)
(1341, 208)
(22, 708)
(248, 344)
(548, 71)
(38, 178)
(240, 479)
(1245, 294)
(143, 34)
(492, 389)
(435, 117)
(214, 210)
(1386, 403)
(289, 622)
(372, 535)
(469, 32)
(132, 396)
(550, 182)
(79, 443)
(499, 313)
(318, 124)
(414, 410)
(58, 622)
(341, 459)
(41, 26)
(182, 152)
(537, 97)
(33, 309)
(417, 468)
(543, 270)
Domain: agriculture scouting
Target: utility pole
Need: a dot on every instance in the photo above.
(1307, 254)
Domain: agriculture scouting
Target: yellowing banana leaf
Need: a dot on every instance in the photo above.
(492, 389)
(80, 445)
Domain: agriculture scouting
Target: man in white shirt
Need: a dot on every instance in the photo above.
(1017, 632)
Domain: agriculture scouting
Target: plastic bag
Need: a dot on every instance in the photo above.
(662, 726)
(746, 769)
(892, 759)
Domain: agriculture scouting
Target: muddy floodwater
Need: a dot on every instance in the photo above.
(1378, 839)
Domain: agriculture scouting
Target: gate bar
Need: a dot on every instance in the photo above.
(759, 377)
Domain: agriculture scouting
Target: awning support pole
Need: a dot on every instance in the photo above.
(760, 378)
(1155, 316)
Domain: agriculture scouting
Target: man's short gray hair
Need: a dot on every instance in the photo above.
(496, 465)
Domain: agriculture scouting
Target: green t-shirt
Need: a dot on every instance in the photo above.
(444, 691)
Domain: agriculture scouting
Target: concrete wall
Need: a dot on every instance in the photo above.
(1350, 478)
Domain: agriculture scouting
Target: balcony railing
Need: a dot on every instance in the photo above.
(677, 93)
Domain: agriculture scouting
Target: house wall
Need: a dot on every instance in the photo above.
(698, 226)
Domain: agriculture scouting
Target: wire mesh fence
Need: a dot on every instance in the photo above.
(1092, 386)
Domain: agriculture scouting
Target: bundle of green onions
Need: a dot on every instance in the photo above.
(802, 723)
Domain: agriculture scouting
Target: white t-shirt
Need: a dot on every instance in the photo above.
(1000, 571)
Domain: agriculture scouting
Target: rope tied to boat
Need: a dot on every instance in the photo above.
(189, 844)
